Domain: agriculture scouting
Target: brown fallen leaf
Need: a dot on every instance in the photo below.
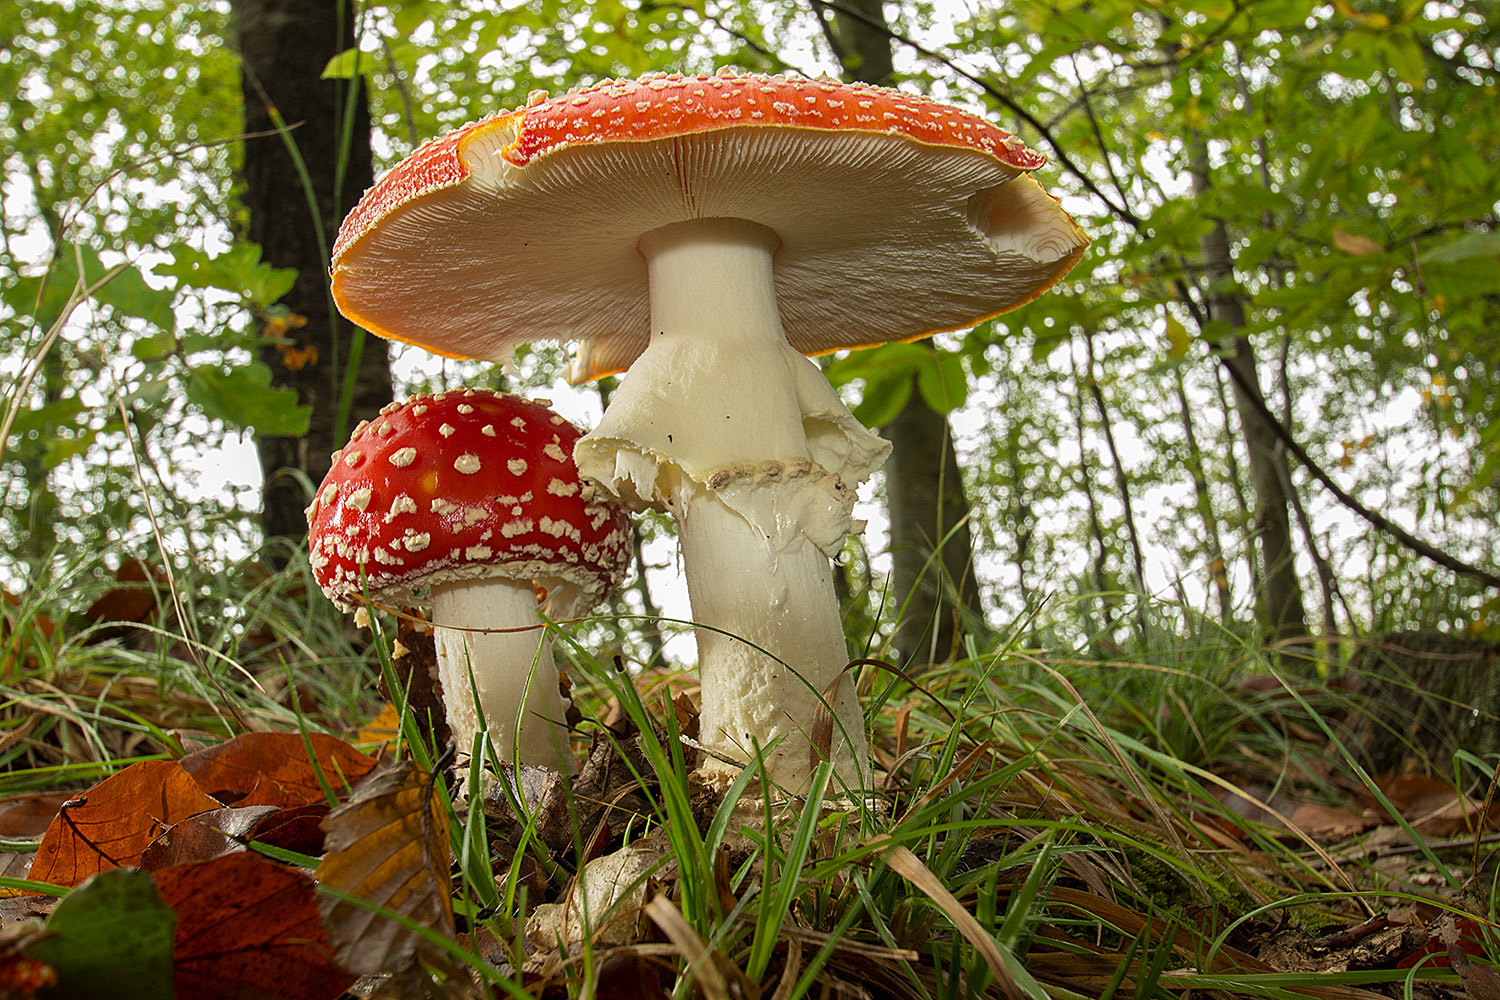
(110, 825)
(272, 769)
(1429, 804)
(248, 928)
(1327, 822)
(228, 830)
(388, 845)
(1353, 244)
(1480, 981)
(29, 816)
(203, 837)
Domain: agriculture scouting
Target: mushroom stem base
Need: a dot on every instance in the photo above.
(773, 647)
(510, 677)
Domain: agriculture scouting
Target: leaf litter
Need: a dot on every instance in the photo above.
(586, 865)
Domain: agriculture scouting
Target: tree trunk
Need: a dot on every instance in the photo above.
(650, 634)
(1137, 555)
(284, 45)
(932, 548)
(1280, 593)
(1218, 568)
(1244, 512)
(931, 545)
(1096, 529)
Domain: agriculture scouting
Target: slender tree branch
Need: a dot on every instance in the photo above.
(1123, 212)
(1088, 110)
(758, 48)
(407, 112)
(1376, 519)
(1000, 97)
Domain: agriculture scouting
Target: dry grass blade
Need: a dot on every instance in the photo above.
(1189, 945)
(822, 727)
(702, 963)
(793, 966)
(959, 771)
(910, 867)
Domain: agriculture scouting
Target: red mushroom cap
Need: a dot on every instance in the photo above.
(458, 485)
(898, 216)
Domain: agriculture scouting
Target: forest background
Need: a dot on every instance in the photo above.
(1264, 402)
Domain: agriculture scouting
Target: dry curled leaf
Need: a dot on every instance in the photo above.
(387, 845)
(229, 830)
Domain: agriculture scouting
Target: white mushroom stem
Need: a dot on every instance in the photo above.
(501, 666)
(722, 423)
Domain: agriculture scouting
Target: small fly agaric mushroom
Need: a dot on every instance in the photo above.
(472, 496)
(706, 233)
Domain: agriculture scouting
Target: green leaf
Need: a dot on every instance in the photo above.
(411, 15)
(153, 346)
(59, 413)
(1406, 57)
(943, 382)
(239, 269)
(1178, 340)
(882, 400)
(60, 449)
(1466, 246)
(344, 65)
(243, 397)
(110, 932)
(126, 293)
(885, 361)
(1257, 248)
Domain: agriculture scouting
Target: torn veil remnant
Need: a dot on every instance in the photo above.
(469, 501)
(706, 233)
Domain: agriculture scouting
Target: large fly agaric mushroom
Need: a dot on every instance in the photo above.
(706, 233)
(469, 501)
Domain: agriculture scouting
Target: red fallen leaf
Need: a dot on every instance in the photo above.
(109, 825)
(1468, 938)
(248, 928)
(272, 769)
(225, 831)
(22, 978)
(299, 829)
(29, 816)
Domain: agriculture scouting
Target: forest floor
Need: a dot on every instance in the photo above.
(217, 811)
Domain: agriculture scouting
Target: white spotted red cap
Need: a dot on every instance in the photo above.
(458, 485)
(897, 215)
